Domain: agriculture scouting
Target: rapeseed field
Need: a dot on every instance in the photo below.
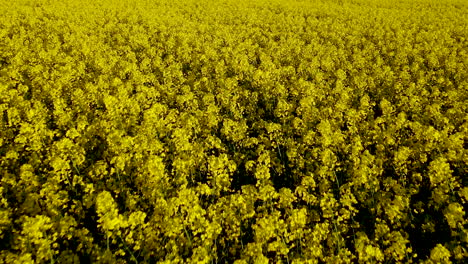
(233, 131)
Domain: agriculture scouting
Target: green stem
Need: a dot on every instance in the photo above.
(128, 250)
(337, 236)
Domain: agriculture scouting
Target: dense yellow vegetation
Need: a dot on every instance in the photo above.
(234, 131)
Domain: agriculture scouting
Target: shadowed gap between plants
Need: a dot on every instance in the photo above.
(421, 241)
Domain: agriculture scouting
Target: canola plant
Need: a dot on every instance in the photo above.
(233, 131)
